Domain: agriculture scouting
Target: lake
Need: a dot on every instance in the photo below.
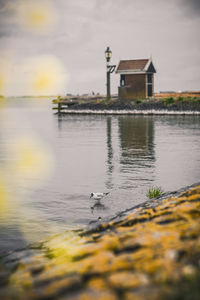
(50, 164)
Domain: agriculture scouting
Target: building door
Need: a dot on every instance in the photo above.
(149, 85)
(150, 90)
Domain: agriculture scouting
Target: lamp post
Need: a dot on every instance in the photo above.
(109, 69)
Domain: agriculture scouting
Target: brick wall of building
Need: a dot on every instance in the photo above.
(135, 87)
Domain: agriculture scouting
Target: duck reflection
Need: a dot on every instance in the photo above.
(98, 206)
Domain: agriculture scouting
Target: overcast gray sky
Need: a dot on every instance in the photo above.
(75, 34)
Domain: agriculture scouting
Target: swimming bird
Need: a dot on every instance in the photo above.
(98, 196)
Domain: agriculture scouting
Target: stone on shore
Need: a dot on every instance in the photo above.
(151, 253)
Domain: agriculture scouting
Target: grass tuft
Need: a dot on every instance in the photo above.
(154, 192)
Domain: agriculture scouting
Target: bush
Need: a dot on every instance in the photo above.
(154, 192)
(187, 99)
(180, 98)
(169, 100)
(138, 101)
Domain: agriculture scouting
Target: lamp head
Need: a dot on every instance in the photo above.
(108, 54)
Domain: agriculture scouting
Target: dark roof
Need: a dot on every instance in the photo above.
(134, 64)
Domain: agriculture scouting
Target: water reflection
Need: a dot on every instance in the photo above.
(136, 137)
(110, 164)
(60, 120)
(98, 206)
(123, 154)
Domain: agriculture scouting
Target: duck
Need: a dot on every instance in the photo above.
(98, 196)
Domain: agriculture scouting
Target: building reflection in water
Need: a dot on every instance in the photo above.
(130, 157)
(130, 151)
(136, 137)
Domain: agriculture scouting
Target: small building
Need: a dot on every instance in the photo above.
(136, 78)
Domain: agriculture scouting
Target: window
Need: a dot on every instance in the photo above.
(122, 80)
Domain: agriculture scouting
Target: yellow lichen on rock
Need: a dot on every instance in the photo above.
(147, 254)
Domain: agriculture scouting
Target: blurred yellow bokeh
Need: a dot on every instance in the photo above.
(46, 75)
(4, 74)
(31, 159)
(2, 82)
(39, 16)
(28, 166)
(65, 248)
(42, 75)
(3, 197)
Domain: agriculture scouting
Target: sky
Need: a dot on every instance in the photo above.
(55, 47)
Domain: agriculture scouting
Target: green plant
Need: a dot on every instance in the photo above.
(180, 98)
(138, 101)
(154, 192)
(104, 101)
(169, 100)
(187, 99)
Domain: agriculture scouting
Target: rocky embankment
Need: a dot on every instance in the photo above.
(170, 104)
(149, 252)
(148, 105)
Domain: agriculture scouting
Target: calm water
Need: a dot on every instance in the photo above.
(72, 156)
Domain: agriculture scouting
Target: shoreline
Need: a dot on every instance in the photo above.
(126, 112)
(150, 251)
(150, 203)
(166, 106)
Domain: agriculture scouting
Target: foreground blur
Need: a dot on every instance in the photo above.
(150, 253)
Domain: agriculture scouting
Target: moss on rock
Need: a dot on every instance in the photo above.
(150, 253)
